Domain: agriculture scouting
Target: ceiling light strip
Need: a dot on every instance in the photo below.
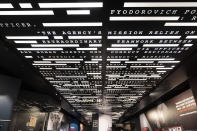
(45, 68)
(80, 24)
(187, 45)
(6, 5)
(145, 18)
(54, 45)
(117, 59)
(138, 62)
(27, 12)
(180, 24)
(95, 45)
(72, 5)
(67, 68)
(71, 76)
(25, 5)
(28, 56)
(92, 73)
(45, 64)
(116, 66)
(119, 49)
(73, 62)
(143, 37)
(27, 37)
(155, 59)
(160, 4)
(78, 12)
(146, 66)
(91, 62)
(54, 59)
(86, 49)
(39, 49)
(26, 42)
(84, 37)
(167, 68)
(124, 45)
(168, 61)
(160, 45)
(191, 37)
(42, 62)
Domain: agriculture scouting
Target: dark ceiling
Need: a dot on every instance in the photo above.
(100, 54)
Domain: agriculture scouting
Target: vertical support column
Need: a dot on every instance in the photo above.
(105, 122)
(95, 122)
(9, 88)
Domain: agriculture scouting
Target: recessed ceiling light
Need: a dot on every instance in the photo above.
(27, 37)
(78, 12)
(27, 12)
(71, 5)
(25, 5)
(80, 24)
(160, 4)
(145, 18)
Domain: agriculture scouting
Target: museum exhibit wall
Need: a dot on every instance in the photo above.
(177, 114)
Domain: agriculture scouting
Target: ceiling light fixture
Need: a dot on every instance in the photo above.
(72, 5)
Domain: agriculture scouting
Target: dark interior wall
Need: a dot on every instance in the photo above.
(9, 88)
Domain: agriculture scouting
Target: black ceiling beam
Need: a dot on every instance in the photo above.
(186, 70)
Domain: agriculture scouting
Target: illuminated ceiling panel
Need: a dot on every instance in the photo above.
(98, 52)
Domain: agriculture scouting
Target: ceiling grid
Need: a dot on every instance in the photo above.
(97, 53)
